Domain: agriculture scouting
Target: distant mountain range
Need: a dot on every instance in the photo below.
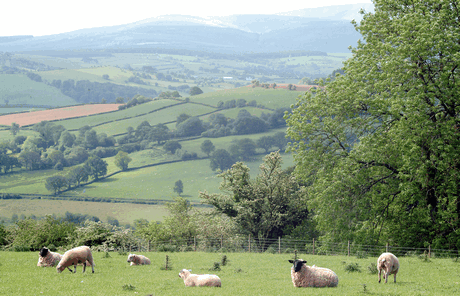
(315, 29)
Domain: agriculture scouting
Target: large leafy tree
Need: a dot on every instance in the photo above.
(96, 167)
(379, 145)
(122, 160)
(266, 207)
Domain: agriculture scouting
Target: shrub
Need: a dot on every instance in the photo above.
(128, 287)
(224, 260)
(270, 250)
(352, 267)
(215, 267)
(372, 268)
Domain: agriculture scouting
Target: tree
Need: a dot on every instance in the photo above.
(195, 91)
(279, 140)
(243, 149)
(29, 159)
(78, 174)
(178, 187)
(265, 207)
(159, 133)
(191, 127)
(181, 118)
(207, 147)
(67, 139)
(221, 159)
(172, 146)
(122, 160)
(120, 100)
(96, 167)
(14, 129)
(265, 142)
(379, 145)
(56, 183)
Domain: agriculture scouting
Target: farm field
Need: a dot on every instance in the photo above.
(125, 213)
(270, 98)
(245, 274)
(19, 89)
(55, 114)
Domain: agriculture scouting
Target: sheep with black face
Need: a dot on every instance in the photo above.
(46, 258)
(312, 276)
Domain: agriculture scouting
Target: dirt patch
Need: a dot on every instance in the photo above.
(56, 114)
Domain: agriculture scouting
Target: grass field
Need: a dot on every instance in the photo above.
(245, 274)
(124, 212)
(271, 98)
(19, 89)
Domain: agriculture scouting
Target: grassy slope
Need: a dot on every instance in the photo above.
(270, 98)
(259, 274)
(19, 89)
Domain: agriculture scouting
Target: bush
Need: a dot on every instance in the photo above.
(167, 248)
(352, 267)
(270, 250)
(215, 267)
(372, 268)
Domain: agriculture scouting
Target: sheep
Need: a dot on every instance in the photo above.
(389, 263)
(312, 276)
(46, 258)
(138, 260)
(74, 256)
(199, 280)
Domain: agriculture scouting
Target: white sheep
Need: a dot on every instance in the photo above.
(138, 260)
(46, 258)
(312, 276)
(388, 263)
(75, 256)
(199, 280)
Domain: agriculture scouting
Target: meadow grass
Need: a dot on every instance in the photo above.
(271, 98)
(245, 274)
(76, 123)
(125, 213)
(19, 89)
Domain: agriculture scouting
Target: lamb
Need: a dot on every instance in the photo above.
(138, 260)
(46, 258)
(389, 263)
(199, 280)
(312, 276)
(74, 256)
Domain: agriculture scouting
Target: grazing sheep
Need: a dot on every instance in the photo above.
(74, 256)
(312, 276)
(46, 258)
(389, 263)
(199, 280)
(138, 260)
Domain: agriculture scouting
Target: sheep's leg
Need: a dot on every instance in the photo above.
(395, 277)
(380, 278)
(84, 266)
(386, 276)
(69, 269)
(75, 268)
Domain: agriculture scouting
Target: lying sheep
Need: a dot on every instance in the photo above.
(199, 280)
(46, 258)
(312, 276)
(74, 256)
(138, 260)
(389, 264)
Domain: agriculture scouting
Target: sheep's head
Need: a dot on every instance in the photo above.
(60, 268)
(184, 273)
(297, 264)
(43, 252)
(131, 257)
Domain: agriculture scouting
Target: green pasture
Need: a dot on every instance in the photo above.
(53, 61)
(9, 110)
(6, 135)
(125, 213)
(244, 274)
(92, 74)
(271, 98)
(76, 123)
(19, 89)
(162, 116)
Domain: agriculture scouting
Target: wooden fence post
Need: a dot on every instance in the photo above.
(249, 243)
(279, 245)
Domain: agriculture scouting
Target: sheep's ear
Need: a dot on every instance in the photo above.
(304, 261)
(291, 261)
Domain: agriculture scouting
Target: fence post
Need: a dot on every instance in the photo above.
(249, 243)
(348, 248)
(313, 246)
(279, 245)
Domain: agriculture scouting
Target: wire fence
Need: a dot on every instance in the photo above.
(281, 246)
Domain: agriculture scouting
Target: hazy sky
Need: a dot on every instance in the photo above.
(47, 17)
